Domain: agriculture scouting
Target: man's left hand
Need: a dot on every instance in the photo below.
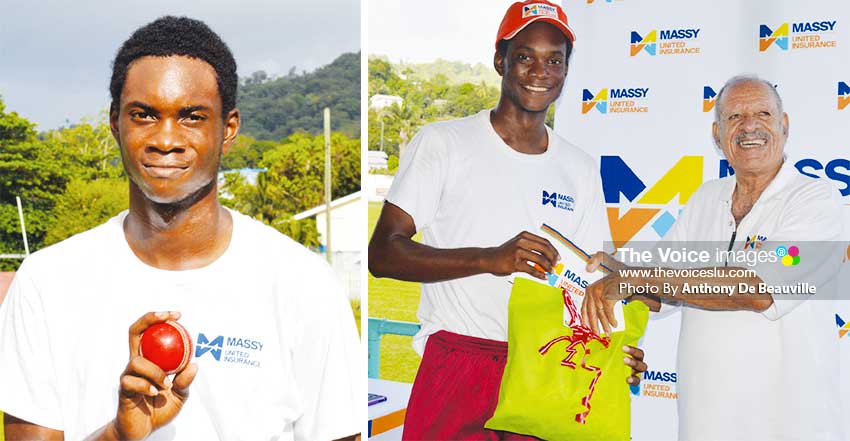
(597, 308)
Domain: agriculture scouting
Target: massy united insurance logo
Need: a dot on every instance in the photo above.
(843, 327)
(754, 242)
(802, 35)
(559, 200)
(539, 9)
(843, 95)
(615, 100)
(665, 42)
(632, 204)
(229, 349)
(709, 96)
(656, 384)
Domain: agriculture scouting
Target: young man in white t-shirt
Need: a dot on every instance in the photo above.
(276, 348)
(475, 187)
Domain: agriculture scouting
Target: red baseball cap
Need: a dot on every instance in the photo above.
(522, 14)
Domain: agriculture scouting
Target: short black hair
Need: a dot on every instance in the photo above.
(168, 36)
(502, 48)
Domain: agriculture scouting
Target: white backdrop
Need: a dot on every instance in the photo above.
(639, 96)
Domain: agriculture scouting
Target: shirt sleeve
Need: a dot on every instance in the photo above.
(328, 367)
(421, 177)
(28, 385)
(811, 222)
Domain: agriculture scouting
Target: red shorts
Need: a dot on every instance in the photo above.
(456, 390)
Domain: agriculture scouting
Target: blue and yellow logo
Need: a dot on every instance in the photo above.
(599, 100)
(529, 10)
(644, 205)
(708, 98)
(754, 242)
(843, 95)
(843, 327)
(768, 37)
(541, 9)
(665, 42)
(615, 100)
(802, 35)
(647, 43)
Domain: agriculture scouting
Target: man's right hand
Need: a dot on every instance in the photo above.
(393, 253)
(147, 398)
(514, 256)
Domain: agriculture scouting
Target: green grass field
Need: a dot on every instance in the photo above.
(392, 299)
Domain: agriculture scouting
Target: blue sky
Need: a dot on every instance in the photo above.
(55, 55)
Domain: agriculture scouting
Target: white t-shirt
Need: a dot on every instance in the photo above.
(273, 332)
(464, 187)
(772, 375)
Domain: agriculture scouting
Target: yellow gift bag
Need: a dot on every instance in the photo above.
(564, 382)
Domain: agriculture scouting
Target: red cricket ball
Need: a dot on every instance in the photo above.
(167, 345)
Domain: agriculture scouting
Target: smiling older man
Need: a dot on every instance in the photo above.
(751, 366)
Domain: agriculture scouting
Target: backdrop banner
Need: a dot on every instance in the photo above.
(640, 97)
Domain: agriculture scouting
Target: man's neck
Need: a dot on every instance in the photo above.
(521, 130)
(178, 236)
(754, 184)
(748, 189)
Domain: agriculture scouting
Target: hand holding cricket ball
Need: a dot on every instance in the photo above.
(147, 398)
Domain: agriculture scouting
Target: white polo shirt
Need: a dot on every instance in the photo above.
(772, 375)
(464, 187)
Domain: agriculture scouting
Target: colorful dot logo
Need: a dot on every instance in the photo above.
(790, 256)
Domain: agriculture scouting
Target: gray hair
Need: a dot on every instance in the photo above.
(745, 78)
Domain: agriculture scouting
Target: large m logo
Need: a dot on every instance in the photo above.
(642, 205)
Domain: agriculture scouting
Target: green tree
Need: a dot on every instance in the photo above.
(430, 92)
(246, 152)
(27, 170)
(273, 109)
(87, 150)
(86, 204)
(293, 181)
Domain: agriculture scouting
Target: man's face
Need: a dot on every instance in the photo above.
(534, 68)
(751, 130)
(170, 127)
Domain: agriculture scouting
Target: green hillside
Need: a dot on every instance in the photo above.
(273, 109)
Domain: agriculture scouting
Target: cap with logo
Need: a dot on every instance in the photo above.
(522, 14)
